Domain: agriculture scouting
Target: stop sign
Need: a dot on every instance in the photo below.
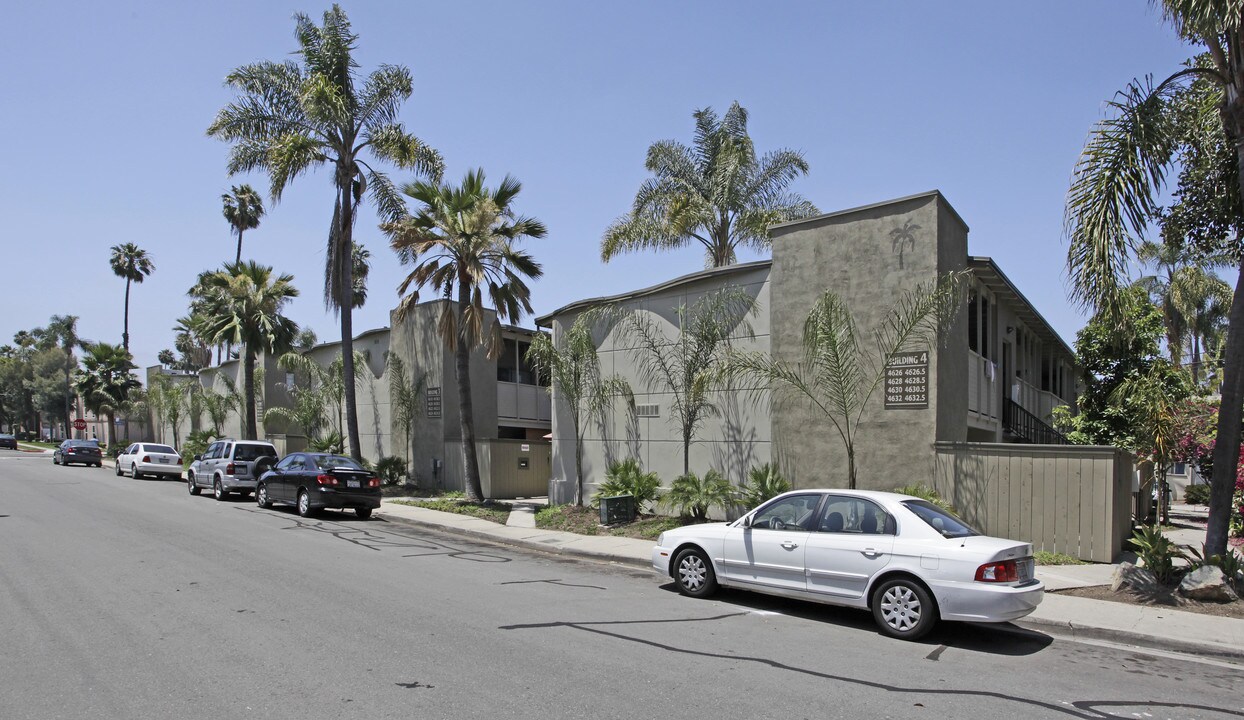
(79, 424)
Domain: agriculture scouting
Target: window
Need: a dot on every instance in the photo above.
(844, 514)
(158, 449)
(789, 513)
(938, 519)
(974, 343)
(507, 362)
(213, 451)
(246, 453)
(289, 462)
(1179, 469)
(328, 462)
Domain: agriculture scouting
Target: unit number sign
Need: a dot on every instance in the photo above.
(907, 381)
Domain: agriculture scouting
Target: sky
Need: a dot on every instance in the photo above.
(105, 107)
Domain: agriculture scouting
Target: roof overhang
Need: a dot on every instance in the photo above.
(992, 277)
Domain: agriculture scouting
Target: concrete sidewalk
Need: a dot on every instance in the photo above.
(1156, 627)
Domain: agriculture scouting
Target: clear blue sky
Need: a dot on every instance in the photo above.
(105, 107)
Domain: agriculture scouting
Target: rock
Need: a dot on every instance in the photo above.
(1138, 578)
(1207, 584)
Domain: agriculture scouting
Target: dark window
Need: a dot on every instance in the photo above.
(974, 308)
(506, 432)
(246, 453)
(938, 519)
(790, 513)
(328, 462)
(844, 514)
(507, 362)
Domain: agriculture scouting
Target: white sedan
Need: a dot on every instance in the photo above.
(904, 558)
(149, 459)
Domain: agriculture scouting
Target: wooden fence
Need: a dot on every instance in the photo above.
(1075, 500)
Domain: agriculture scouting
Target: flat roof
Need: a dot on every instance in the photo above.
(793, 224)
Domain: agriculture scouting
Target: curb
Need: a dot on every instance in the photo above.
(1062, 628)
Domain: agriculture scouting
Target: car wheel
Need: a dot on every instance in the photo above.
(134, 471)
(304, 503)
(194, 489)
(118, 469)
(903, 609)
(693, 573)
(363, 513)
(218, 490)
(261, 497)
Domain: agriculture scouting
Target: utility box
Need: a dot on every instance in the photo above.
(617, 509)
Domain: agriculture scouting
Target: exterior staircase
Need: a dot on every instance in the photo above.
(1022, 426)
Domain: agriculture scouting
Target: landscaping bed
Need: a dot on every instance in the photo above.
(586, 521)
(495, 513)
(1166, 598)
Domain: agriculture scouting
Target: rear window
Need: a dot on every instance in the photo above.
(326, 462)
(940, 520)
(246, 453)
(84, 443)
(159, 449)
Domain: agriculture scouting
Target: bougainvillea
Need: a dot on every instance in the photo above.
(1198, 420)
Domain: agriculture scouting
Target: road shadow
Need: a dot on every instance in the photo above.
(986, 638)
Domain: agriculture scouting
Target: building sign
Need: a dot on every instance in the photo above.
(907, 381)
(434, 402)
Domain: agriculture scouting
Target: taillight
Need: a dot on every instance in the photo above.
(326, 479)
(229, 469)
(373, 482)
(146, 458)
(1005, 571)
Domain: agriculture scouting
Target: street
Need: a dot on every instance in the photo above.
(123, 598)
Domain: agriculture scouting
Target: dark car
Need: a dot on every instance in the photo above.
(78, 451)
(8, 441)
(314, 481)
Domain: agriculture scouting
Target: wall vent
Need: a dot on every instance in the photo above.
(648, 410)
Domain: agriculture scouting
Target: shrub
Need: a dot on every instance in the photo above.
(330, 443)
(924, 492)
(391, 469)
(194, 444)
(1156, 551)
(117, 447)
(692, 496)
(763, 483)
(1197, 495)
(628, 478)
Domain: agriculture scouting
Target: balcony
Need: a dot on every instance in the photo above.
(985, 397)
(527, 404)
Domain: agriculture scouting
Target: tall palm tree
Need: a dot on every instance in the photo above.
(242, 305)
(243, 207)
(105, 381)
(1119, 178)
(461, 242)
(1180, 285)
(134, 264)
(292, 117)
(360, 258)
(716, 193)
(65, 329)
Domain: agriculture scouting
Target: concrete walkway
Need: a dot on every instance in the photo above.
(1083, 618)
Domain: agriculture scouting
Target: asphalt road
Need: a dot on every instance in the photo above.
(130, 599)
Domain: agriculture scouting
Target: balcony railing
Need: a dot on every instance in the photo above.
(1028, 427)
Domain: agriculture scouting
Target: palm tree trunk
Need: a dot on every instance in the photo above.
(578, 460)
(68, 390)
(345, 294)
(238, 259)
(1226, 453)
(248, 389)
(125, 331)
(466, 413)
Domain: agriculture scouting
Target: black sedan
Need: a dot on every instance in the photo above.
(314, 481)
(8, 441)
(85, 452)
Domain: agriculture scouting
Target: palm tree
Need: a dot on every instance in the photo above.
(716, 193)
(242, 305)
(837, 376)
(105, 381)
(1119, 178)
(292, 117)
(461, 242)
(1186, 291)
(572, 366)
(65, 329)
(404, 394)
(134, 264)
(243, 207)
(360, 259)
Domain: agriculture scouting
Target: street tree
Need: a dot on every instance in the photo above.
(405, 393)
(1121, 176)
(132, 263)
(716, 193)
(572, 366)
(242, 305)
(838, 374)
(64, 328)
(291, 117)
(105, 382)
(461, 242)
(242, 208)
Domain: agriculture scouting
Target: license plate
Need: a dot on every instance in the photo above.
(352, 483)
(163, 460)
(1025, 569)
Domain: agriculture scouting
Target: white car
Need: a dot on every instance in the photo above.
(904, 558)
(142, 459)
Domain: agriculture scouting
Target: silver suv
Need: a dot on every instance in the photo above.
(230, 466)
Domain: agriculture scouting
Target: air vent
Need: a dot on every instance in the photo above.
(648, 410)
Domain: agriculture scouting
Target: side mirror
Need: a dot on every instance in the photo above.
(747, 521)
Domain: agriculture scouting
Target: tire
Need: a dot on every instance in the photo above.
(304, 504)
(903, 609)
(134, 471)
(363, 513)
(693, 573)
(194, 489)
(261, 497)
(218, 490)
(118, 469)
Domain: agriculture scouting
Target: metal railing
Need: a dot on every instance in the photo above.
(1028, 427)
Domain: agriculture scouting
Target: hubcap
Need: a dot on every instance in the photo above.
(262, 495)
(900, 608)
(691, 572)
(303, 503)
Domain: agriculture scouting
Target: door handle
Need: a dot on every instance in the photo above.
(789, 545)
(870, 552)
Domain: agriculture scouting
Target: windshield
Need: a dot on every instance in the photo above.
(326, 462)
(940, 520)
(245, 453)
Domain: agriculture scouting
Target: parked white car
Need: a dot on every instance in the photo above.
(142, 459)
(905, 559)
